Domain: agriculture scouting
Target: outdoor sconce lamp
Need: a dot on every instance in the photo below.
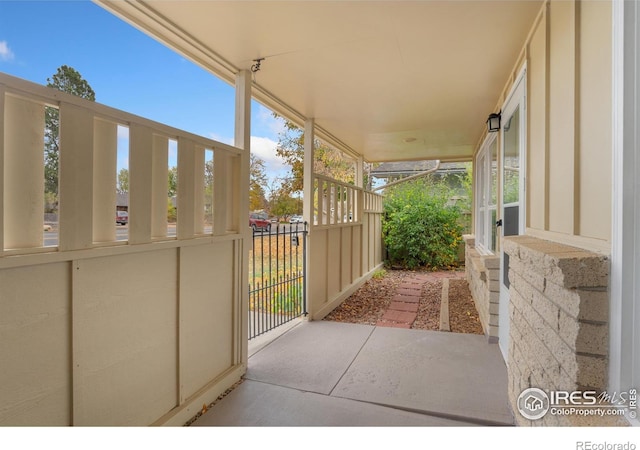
(493, 122)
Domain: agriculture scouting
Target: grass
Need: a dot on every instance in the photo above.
(275, 271)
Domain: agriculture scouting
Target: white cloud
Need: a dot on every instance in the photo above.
(273, 124)
(5, 52)
(265, 149)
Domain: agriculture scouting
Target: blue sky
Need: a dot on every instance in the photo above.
(127, 69)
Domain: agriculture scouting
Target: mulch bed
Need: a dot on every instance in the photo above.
(369, 303)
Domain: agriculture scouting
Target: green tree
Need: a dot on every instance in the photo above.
(328, 160)
(123, 181)
(69, 80)
(257, 183)
(172, 181)
(284, 204)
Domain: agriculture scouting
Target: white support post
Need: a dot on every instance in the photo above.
(307, 196)
(159, 190)
(243, 141)
(240, 220)
(2, 186)
(359, 178)
(105, 144)
(140, 182)
(75, 178)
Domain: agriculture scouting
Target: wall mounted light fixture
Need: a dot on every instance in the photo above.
(493, 122)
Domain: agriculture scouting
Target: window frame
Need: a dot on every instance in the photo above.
(486, 161)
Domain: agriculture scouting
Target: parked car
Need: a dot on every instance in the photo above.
(122, 217)
(296, 219)
(259, 221)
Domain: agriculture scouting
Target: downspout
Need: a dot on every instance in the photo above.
(412, 177)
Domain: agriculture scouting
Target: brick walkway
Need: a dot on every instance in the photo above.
(403, 309)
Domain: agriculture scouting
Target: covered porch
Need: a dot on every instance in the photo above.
(334, 374)
(380, 81)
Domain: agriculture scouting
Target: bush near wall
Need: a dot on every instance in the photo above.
(420, 226)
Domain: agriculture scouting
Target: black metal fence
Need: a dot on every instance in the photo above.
(277, 281)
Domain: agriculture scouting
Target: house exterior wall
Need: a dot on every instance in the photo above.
(100, 332)
(559, 271)
(569, 124)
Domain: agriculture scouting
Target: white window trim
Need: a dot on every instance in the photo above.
(485, 151)
(624, 312)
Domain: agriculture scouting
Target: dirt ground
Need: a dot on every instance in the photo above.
(369, 303)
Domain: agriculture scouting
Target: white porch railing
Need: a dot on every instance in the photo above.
(345, 242)
(99, 332)
(87, 176)
(335, 202)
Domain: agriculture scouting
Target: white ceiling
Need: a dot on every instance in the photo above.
(392, 80)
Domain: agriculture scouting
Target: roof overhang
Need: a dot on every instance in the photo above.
(389, 80)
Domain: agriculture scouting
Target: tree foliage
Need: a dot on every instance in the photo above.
(284, 204)
(69, 80)
(420, 228)
(123, 181)
(328, 160)
(257, 183)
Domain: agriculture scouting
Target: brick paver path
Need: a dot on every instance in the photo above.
(403, 309)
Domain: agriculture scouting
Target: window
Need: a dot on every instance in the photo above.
(487, 195)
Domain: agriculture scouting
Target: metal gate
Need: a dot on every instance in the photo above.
(277, 281)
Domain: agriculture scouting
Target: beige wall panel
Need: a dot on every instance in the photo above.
(35, 346)
(125, 338)
(536, 149)
(365, 243)
(346, 257)
(561, 118)
(378, 239)
(317, 270)
(371, 237)
(333, 263)
(356, 239)
(595, 120)
(206, 314)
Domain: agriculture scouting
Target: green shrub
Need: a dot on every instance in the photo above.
(419, 228)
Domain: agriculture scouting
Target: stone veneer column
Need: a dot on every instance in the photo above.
(559, 322)
(483, 276)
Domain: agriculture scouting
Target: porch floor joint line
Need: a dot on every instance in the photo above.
(330, 394)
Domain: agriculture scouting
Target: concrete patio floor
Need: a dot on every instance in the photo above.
(335, 374)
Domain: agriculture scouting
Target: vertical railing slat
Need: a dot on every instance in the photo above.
(23, 173)
(105, 145)
(186, 188)
(160, 186)
(75, 182)
(140, 183)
